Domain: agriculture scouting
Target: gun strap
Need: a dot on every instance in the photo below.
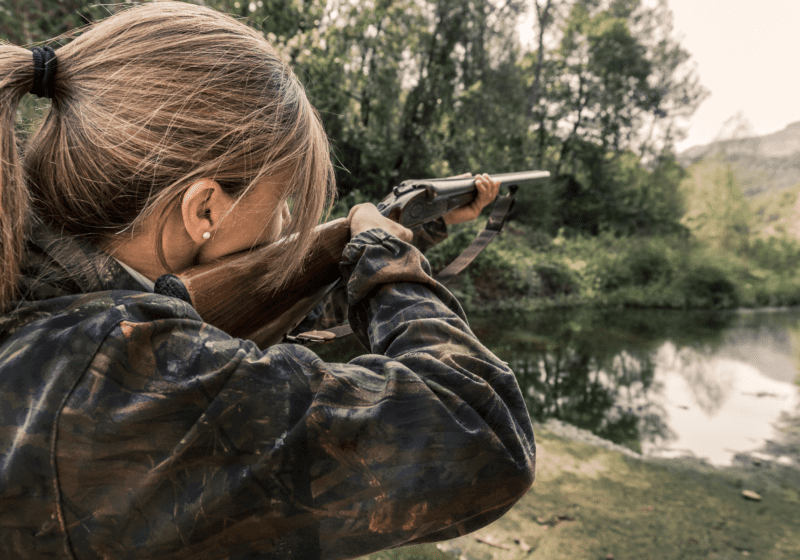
(497, 219)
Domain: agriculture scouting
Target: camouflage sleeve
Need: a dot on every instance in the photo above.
(332, 310)
(181, 442)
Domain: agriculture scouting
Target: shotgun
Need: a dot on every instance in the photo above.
(220, 292)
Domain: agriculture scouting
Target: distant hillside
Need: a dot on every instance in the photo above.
(776, 213)
(764, 163)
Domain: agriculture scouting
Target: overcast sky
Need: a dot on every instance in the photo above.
(747, 54)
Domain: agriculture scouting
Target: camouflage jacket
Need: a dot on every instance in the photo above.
(132, 429)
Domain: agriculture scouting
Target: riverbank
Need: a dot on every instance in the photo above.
(595, 500)
(527, 270)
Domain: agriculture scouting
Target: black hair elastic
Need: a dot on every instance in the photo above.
(44, 72)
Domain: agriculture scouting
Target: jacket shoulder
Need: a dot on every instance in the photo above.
(98, 312)
(43, 355)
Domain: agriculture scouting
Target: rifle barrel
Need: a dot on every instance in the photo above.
(455, 186)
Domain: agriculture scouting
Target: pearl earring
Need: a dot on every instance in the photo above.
(207, 235)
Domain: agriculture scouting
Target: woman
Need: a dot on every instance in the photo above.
(130, 428)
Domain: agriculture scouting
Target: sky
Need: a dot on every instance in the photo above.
(747, 54)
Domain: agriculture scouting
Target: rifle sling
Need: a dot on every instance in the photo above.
(497, 219)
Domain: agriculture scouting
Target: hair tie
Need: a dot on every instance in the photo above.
(44, 72)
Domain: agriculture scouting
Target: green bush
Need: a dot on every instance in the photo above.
(539, 240)
(556, 279)
(781, 254)
(648, 264)
(459, 237)
(524, 267)
(502, 271)
(773, 291)
(642, 264)
(704, 286)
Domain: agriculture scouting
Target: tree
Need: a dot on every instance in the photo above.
(716, 210)
(416, 88)
(609, 93)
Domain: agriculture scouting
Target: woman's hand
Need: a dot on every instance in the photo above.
(363, 217)
(487, 192)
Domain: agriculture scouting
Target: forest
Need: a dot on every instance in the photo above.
(595, 91)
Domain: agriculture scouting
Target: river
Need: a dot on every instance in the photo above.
(708, 384)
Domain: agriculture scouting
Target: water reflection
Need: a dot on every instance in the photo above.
(572, 380)
(709, 384)
(709, 380)
(716, 406)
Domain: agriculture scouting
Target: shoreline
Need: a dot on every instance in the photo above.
(755, 462)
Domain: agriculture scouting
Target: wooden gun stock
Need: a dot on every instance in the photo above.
(225, 296)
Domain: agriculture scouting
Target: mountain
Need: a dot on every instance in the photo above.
(766, 163)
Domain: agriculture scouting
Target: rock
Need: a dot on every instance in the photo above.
(750, 495)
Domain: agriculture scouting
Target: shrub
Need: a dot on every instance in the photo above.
(704, 286)
(503, 270)
(648, 264)
(556, 279)
(641, 265)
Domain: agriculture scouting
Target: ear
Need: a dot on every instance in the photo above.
(201, 208)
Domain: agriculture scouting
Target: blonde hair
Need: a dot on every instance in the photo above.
(147, 102)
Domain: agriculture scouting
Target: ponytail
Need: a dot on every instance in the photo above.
(16, 76)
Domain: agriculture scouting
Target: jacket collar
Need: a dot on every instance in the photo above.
(58, 265)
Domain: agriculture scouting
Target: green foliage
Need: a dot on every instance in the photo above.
(716, 210)
(775, 213)
(663, 272)
(503, 269)
(648, 265)
(29, 22)
(621, 195)
(527, 270)
(706, 286)
(780, 254)
(459, 237)
(646, 262)
(771, 291)
(556, 279)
